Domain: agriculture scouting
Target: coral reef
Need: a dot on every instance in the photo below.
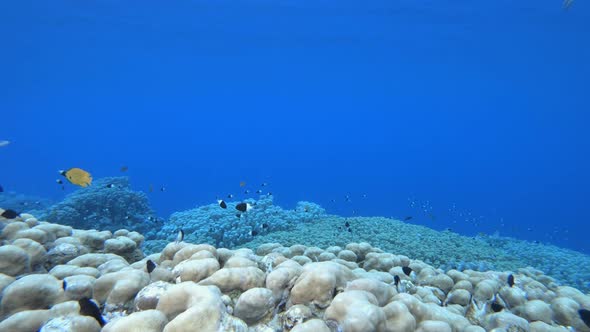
(109, 204)
(446, 250)
(270, 287)
(228, 227)
(24, 203)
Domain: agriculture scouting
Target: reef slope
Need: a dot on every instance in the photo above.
(268, 287)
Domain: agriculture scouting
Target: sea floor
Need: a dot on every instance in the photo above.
(311, 278)
(443, 249)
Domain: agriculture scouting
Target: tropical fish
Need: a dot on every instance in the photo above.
(59, 181)
(253, 232)
(244, 207)
(496, 307)
(407, 270)
(585, 316)
(230, 196)
(510, 280)
(64, 284)
(4, 143)
(110, 185)
(150, 265)
(259, 191)
(89, 308)
(396, 280)
(222, 204)
(78, 176)
(9, 214)
(180, 236)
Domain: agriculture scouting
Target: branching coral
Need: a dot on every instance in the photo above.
(108, 204)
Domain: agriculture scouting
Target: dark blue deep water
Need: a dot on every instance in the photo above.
(469, 115)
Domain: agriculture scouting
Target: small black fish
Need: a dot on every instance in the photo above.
(407, 270)
(9, 214)
(408, 218)
(110, 185)
(396, 280)
(243, 207)
(239, 215)
(350, 230)
(246, 191)
(510, 280)
(64, 284)
(264, 184)
(496, 307)
(150, 265)
(264, 225)
(222, 204)
(162, 189)
(230, 196)
(253, 232)
(180, 236)
(124, 168)
(89, 308)
(269, 194)
(585, 316)
(59, 181)
(259, 191)
(347, 224)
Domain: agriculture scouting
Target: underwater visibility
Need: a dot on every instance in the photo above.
(319, 166)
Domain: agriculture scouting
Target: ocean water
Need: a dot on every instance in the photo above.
(468, 116)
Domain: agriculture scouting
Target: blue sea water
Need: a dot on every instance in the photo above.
(464, 115)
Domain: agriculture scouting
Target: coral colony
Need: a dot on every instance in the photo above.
(258, 267)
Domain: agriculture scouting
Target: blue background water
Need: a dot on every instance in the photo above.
(476, 112)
